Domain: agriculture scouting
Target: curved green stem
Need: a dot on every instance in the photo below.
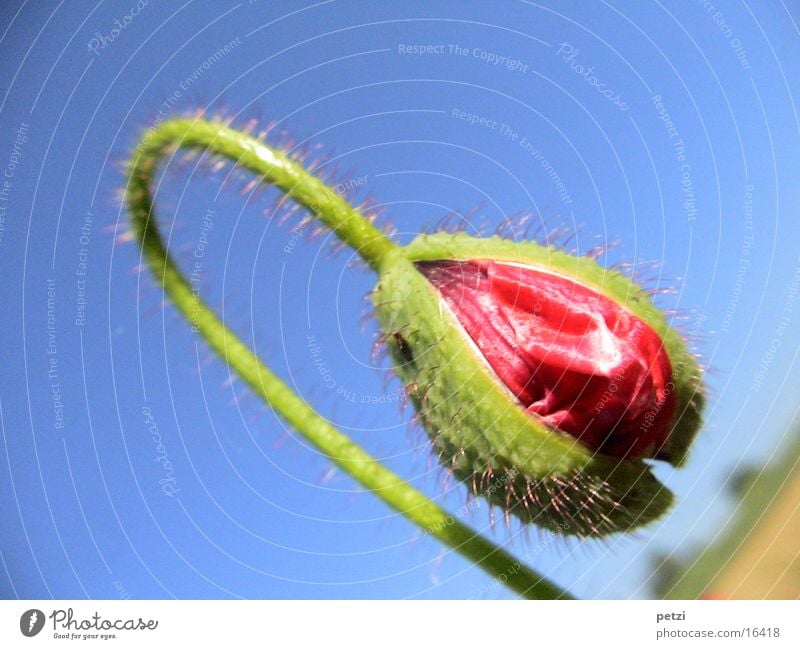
(351, 226)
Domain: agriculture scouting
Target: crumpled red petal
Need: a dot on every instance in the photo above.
(574, 358)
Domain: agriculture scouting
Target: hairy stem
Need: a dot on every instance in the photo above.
(351, 226)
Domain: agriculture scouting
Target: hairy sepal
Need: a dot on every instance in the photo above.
(480, 432)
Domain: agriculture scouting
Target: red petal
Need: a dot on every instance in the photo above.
(574, 358)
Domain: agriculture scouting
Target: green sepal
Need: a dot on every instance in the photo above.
(480, 432)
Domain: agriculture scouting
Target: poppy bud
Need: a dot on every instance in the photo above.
(543, 379)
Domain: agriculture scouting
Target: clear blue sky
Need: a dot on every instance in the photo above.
(670, 130)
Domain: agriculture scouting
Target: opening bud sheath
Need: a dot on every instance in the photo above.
(543, 379)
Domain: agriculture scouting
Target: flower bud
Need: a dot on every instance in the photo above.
(543, 379)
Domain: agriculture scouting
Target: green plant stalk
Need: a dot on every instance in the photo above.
(276, 168)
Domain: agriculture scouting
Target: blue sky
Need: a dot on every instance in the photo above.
(132, 466)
